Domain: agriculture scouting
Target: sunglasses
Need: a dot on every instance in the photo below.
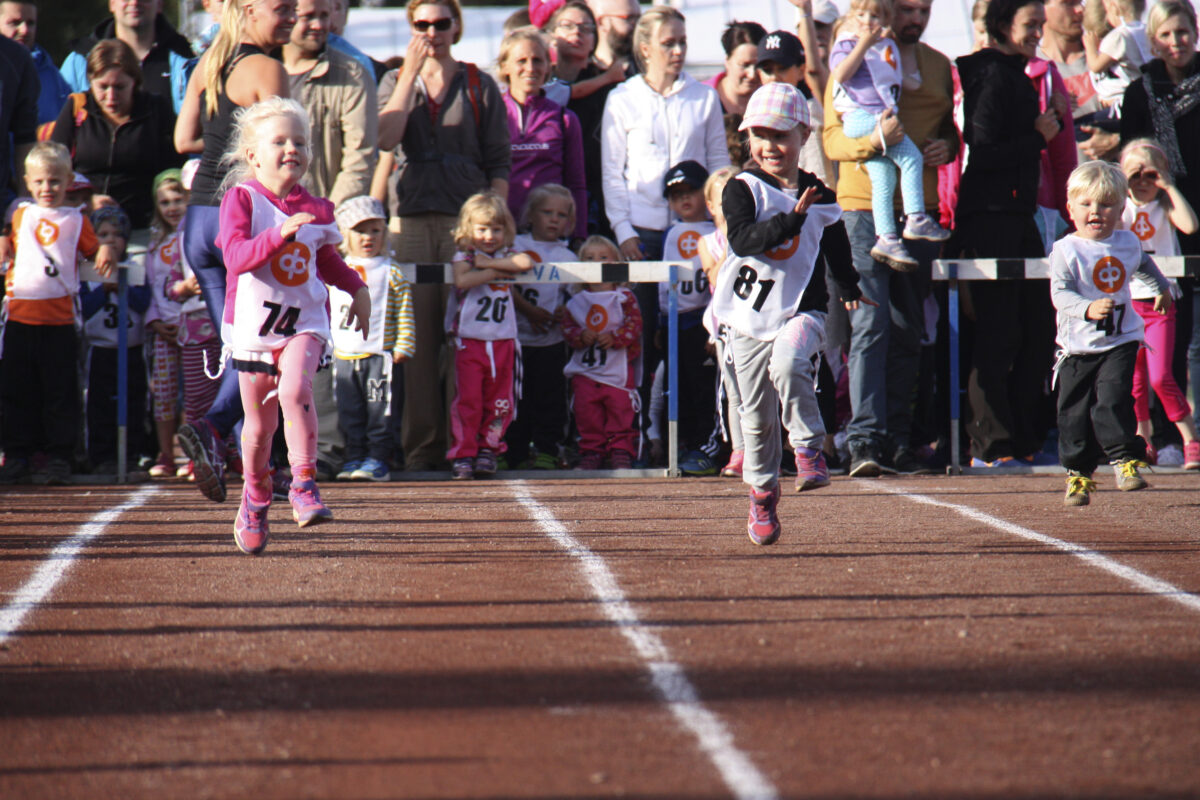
(442, 24)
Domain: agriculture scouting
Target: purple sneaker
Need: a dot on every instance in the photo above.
(811, 470)
(206, 451)
(307, 508)
(463, 469)
(250, 531)
(891, 251)
(924, 227)
(763, 525)
(485, 463)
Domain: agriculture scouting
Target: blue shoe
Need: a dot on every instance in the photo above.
(372, 469)
(349, 468)
(697, 464)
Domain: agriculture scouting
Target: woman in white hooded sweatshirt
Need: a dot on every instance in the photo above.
(651, 122)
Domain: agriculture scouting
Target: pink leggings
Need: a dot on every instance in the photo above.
(291, 389)
(1153, 368)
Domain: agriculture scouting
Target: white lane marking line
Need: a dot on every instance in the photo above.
(1147, 583)
(54, 568)
(736, 769)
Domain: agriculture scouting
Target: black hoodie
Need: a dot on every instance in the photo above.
(156, 66)
(1000, 108)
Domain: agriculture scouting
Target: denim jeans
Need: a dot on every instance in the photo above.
(885, 340)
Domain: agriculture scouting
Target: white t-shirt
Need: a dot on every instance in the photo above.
(682, 243)
(1128, 46)
(1152, 226)
(548, 296)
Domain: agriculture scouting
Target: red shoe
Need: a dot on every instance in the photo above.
(811, 471)
(763, 525)
(1191, 454)
(250, 530)
(307, 508)
(734, 468)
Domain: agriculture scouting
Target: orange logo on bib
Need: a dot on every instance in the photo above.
(361, 270)
(597, 318)
(290, 264)
(170, 252)
(46, 232)
(785, 250)
(536, 258)
(1108, 275)
(1143, 227)
(889, 57)
(689, 244)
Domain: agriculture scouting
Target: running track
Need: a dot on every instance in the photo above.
(908, 637)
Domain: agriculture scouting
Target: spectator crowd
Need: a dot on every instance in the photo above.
(588, 140)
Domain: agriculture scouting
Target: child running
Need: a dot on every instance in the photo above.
(1156, 209)
(483, 327)
(39, 386)
(780, 222)
(362, 368)
(1098, 336)
(866, 68)
(280, 249)
(542, 411)
(711, 251)
(604, 329)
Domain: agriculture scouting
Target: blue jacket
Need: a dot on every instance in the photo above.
(162, 69)
(54, 88)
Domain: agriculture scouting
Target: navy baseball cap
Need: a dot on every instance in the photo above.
(781, 47)
(689, 173)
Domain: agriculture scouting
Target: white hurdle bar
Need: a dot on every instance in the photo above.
(600, 272)
(1004, 269)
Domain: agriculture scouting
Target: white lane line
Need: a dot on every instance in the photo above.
(54, 568)
(678, 693)
(1147, 583)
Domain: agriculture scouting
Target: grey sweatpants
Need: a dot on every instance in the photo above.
(771, 374)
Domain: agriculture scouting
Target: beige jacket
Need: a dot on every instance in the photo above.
(340, 99)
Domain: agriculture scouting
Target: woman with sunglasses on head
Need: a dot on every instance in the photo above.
(241, 67)
(449, 119)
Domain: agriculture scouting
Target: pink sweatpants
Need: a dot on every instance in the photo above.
(484, 397)
(604, 415)
(1153, 368)
(262, 397)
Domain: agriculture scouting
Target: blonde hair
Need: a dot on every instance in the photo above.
(487, 208)
(1130, 9)
(233, 23)
(1097, 180)
(596, 240)
(525, 34)
(646, 26)
(1161, 12)
(50, 154)
(1149, 152)
(884, 7)
(247, 121)
(543, 193)
(1095, 19)
(715, 183)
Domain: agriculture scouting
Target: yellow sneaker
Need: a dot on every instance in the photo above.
(1079, 489)
(1128, 477)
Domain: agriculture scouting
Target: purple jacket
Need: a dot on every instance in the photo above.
(547, 147)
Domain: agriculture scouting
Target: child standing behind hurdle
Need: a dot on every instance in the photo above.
(280, 246)
(1155, 210)
(362, 368)
(603, 327)
(483, 327)
(542, 410)
(780, 222)
(1098, 333)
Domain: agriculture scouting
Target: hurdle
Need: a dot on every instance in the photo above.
(600, 272)
(1008, 269)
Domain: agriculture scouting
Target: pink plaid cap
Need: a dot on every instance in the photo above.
(778, 106)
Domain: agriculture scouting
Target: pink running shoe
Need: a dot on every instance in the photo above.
(307, 508)
(621, 459)
(763, 525)
(811, 470)
(591, 461)
(250, 531)
(734, 468)
(1191, 454)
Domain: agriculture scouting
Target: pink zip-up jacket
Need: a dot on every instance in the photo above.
(244, 253)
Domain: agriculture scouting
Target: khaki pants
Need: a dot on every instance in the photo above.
(429, 374)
